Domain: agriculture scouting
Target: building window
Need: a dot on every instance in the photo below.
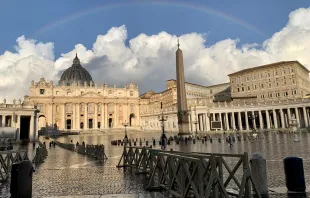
(110, 92)
(270, 95)
(82, 92)
(269, 84)
(285, 93)
(248, 88)
(242, 88)
(131, 93)
(99, 92)
(262, 85)
(42, 91)
(57, 92)
(238, 89)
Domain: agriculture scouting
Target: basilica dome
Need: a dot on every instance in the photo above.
(75, 73)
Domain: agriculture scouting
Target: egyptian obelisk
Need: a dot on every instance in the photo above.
(183, 123)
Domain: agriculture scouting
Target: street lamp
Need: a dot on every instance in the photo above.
(196, 122)
(252, 117)
(163, 119)
(126, 137)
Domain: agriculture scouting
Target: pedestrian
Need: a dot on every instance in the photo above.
(230, 141)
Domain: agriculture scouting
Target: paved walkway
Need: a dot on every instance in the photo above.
(150, 195)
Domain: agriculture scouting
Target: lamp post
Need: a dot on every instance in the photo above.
(163, 119)
(196, 122)
(126, 137)
(252, 117)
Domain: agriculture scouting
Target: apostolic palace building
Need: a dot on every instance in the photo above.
(261, 97)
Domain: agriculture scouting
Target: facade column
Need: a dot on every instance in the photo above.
(305, 117)
(240, 121)
(106, 115)
(63, 116)
(260, 117)
(115, 116)
(85, 116)
(213, 116)
(78, 116)
(247, 121)
(267, 119)
(297, 116)
(233, 124)
(227, 121)
(275, 118)
(102, 125)
(282, 119)
(73, 120)
(96, 117)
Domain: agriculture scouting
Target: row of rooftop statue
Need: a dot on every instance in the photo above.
(14, 101)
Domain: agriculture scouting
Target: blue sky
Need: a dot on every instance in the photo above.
(217, 38)
(42, 20)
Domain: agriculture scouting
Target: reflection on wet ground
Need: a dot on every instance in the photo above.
(66, 173)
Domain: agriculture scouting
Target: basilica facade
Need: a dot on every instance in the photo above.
(77, 103)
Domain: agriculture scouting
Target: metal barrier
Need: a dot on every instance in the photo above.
(94, 151)
(192, 174)
(7, 158)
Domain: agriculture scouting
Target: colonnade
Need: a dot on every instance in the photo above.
(269, 118)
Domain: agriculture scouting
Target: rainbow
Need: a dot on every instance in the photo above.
(175, 3)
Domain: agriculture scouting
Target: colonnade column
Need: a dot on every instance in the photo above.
(96, 117)
(78, 114)
(297, 116)
(305, 117)
(247, 121)
(31, 131)
(254, 120)
(3, 121)
(282, 119)
(233, 124)
(220, 117)
(260, 117)
(289, 116)
(268, 119)
(200, 122)
(227, 121)
(63, 116)
(86, 116)
(18, 126)
(240, 121)
(275, 121)
(207, 122)
(105, 115)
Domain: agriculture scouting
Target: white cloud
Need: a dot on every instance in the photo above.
(150, 60)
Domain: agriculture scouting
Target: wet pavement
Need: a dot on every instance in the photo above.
(65, 173)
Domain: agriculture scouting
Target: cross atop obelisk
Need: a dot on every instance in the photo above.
(183, 123)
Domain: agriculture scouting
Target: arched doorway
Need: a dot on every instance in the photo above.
(42, 122)
(131, 117)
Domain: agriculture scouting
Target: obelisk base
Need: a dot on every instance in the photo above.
(184, 130)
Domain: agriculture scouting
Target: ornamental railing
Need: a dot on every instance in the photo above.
(7, 158)
(192, 174)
